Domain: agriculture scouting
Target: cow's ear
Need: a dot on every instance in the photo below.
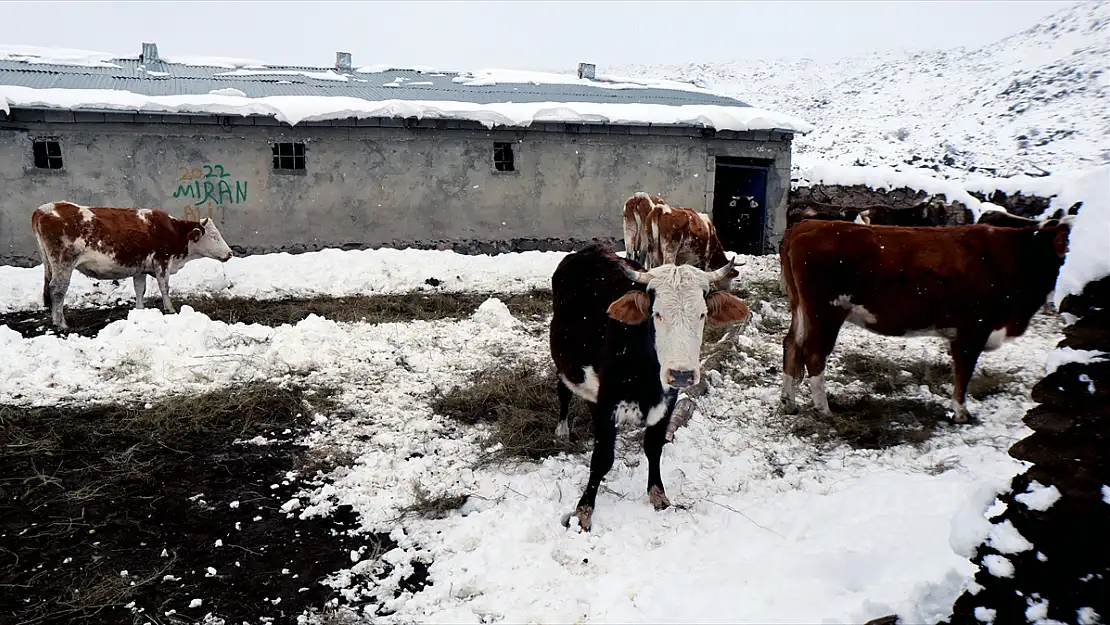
(195, 234)
(632, 308)
(1060, 243)
(725, 307)
(204, 223)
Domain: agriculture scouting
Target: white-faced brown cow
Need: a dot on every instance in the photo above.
(974, 285)
(660, 234)
(627, 341)
(116, 243)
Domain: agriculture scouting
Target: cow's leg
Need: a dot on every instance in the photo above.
(965, 350)
(605, 444)
(655, 436)
(140, 289)
(819, 342)
(163, 277)
(60, 274)
(793, 361)
(563, 429)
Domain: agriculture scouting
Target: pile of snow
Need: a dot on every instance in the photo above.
(1033, 101)
(1088, 256)
(328, 75)
(313, 274)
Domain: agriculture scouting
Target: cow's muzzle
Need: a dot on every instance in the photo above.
(679, 378)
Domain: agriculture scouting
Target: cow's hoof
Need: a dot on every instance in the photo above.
(789, 407)
(563, 431)
(961, 416)
(585, 516)
(658, 498)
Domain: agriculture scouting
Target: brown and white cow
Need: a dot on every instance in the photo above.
(636, 236)
(661, 234)
(974, 285)
(116, 243)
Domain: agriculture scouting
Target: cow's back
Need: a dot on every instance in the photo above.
(583, 286)
(129, 237)
(919, 278)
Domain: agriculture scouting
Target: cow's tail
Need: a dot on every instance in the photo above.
(47, 269)
(786, 276)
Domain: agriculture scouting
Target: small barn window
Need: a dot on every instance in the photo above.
(503, 157)
(47, 154)
(289, 156)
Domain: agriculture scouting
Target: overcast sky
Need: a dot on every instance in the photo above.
(516, 35)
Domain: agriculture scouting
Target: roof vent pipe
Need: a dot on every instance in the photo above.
(587, 70)
(343, 61)
(150, 53)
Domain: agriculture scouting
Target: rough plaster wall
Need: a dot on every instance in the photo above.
(366, 187)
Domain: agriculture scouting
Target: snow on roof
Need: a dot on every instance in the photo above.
(57, 56)
(295, 109)
(83, 80)
(1088, 257)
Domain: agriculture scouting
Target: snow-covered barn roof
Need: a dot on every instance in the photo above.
(83, 81)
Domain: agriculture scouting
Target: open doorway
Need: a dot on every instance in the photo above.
(740, 203)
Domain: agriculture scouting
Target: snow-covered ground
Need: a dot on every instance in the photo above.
(1033, 101)
(768, 527)
(774, 530)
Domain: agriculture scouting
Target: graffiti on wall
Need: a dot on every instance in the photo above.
(208, 190)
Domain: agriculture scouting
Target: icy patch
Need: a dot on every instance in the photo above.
(1039, 497)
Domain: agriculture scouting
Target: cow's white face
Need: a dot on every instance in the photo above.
(681, 304)
(207, 241)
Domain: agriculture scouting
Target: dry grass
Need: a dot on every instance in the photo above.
(872, 422)
(429, 507)
(521, 403)
(887, 376)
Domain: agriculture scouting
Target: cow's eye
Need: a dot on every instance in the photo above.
(702, 316)
(658, 317)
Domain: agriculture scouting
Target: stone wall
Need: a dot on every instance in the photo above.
(1048, 554)
(859, 196)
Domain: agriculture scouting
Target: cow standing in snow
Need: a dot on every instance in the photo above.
(627, 341)
(117, 243)
(974, 285)
(656, 233)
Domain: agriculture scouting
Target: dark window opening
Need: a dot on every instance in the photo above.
(289, 156)
(48, 154)
(503, 157)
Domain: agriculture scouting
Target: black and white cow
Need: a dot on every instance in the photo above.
(627, 341)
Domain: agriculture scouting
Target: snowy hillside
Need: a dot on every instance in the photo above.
(1036, 99)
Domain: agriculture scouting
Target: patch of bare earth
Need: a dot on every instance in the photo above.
(168, 513)
(388, 308)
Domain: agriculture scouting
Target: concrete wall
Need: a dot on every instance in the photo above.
(368, 187)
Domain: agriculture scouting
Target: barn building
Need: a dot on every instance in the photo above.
(305, 158)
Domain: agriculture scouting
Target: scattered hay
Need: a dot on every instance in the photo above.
(401, 307)
(88, 492)
(760, 290)
(429, 507)
(872, 422)
(887, 376)
(522, 404)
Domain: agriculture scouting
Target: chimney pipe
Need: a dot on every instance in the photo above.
(587, 70)
(150, 53)
(343, 61)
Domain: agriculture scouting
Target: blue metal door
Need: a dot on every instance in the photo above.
(740, 206)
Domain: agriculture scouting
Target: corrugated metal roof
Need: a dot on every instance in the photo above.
(161, 79)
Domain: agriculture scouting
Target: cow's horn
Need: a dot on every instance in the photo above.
(642, 277)
(721, 273)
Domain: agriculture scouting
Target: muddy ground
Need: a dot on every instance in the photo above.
(121, 514)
